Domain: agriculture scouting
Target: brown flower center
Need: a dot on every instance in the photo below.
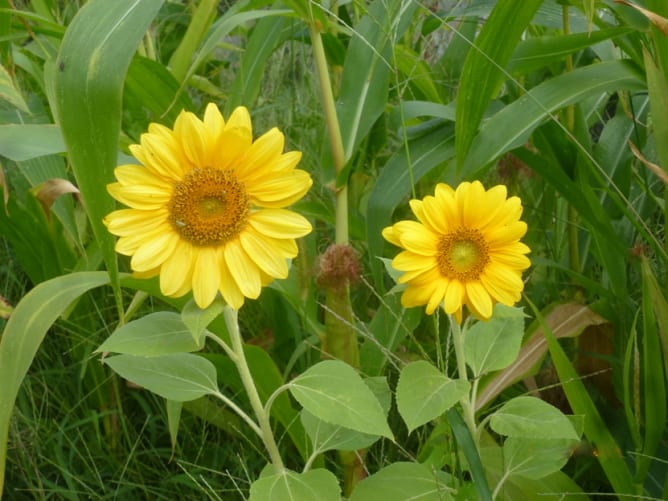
(209, 206)
(462, 254)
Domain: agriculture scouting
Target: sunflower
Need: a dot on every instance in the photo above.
(207, 207)
(464, 251)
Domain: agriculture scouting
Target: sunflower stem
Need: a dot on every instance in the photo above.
(232, 322)
(467, 405)
(334, 131)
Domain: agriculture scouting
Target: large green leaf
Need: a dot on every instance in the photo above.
(94, 57)
(313, 485)
(180, 377)
(425, 393)
(332, 391)
(26, 141)
(512, 126)
(24, 333)
(159, 333)
(494, 345)
(482, 74)
(531, 417)
(401, 481)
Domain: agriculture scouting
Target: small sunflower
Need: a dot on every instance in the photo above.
(207, 207)
(464, 251)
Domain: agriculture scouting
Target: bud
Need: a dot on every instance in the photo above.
(338, 267)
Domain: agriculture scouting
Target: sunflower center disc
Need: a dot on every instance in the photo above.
(462, 254)
(209, 206)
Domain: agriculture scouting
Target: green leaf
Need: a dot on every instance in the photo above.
(471, 452)
(424, 393)
(92, 62)
(23, 142)
(173, 409)
(536, 52)
(401, 480)
(314, 485)
(657, 86)
(9, 92)
(535, 457)
(565, 320)
(325, 436)
(482, 72)
(653, 377)
(595, 429)
(495, 344)
(178, 376)
(197, 319)
(530, 417)
(366, 72)
(511, 127)
(332, 391)
(155, 334)
(24, 332)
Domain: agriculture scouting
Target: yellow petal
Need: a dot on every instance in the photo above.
(189, 131)
(177, 271)
(164, 157)
(127, 245)
(283, 165)
(153, 252)
(472, 205)
(240, 119)
(265, 254)
(422, 242)
(498, 293)
(134, 175)
(242, 268)
(279, 223)
(505, 277)
(280, 191)
(391, 236)
(433, 215)
(139, 197)
(408, 261)
(479, 300)
(505, 235)
(454, 297)
(264, 150)
(229, 288)
(206, 275)
(437, 296)
(229, 149)
(125, 222)
(415, 296)
(511, 260)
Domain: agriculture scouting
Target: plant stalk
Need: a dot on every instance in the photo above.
(467, 406)
(232, 322)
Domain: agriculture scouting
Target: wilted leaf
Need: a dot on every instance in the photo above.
(49, 191)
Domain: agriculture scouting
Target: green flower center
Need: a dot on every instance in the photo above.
(462, 254)
(209, 206)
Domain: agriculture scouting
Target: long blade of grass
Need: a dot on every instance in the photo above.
(512, 126)
(654, 381)
(24, 333)
(482, 73)
(595, 429)
(94, 56)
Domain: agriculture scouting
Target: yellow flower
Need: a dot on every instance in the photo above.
(207, 207)
(464, 251)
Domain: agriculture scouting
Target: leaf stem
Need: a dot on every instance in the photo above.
(467, 406)
(231, 320)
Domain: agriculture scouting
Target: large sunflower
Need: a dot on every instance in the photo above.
(207, 207)
(464, 251)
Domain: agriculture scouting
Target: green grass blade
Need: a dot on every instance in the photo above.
(24, 333)
(512, 126)
(465, 441)
(595, 429)
(201, 21)
(93, 60)
(482, 74)
(654, 381)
